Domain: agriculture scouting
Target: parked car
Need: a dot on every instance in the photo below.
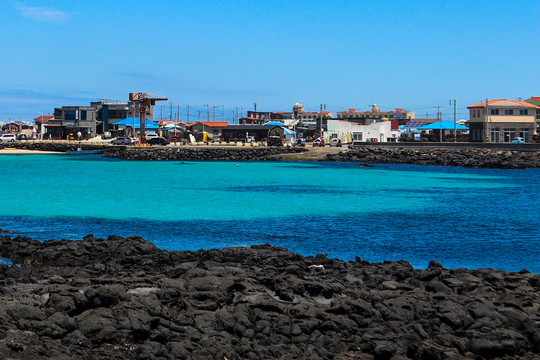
(319, 142)
(335, 143)
(158, 141)
(7, 138)
(518, 140)
(106, 135)
(151, 136)
(175, 138)
(134, 141)
(122, 141)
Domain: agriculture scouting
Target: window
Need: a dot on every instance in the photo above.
(524, 133)
(495, 136)
(523, 111)
(494, 112)
(508, 112)
(70, 115)
(509, 135)
(83, 115)
(357, 136)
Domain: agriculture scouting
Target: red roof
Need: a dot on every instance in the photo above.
(211, 123)
(45, 117)
(496, 101)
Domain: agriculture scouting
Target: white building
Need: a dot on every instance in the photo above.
(348, 131)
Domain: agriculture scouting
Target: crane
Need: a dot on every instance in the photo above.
(145, 101)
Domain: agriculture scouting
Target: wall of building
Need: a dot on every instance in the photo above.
(348, 131)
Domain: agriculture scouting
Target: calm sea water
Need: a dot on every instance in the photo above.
(460, 217)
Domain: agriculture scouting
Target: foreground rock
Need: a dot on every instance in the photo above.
(125, 299)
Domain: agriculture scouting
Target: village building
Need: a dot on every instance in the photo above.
(502, 120)
(375, 115)
(348, 132)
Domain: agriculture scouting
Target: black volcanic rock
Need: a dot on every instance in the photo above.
(123, 298)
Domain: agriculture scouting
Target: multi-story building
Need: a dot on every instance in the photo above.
(535, 100)
(375, 115)
(502, 120)
(89, 119)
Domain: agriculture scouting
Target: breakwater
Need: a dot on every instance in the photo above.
(465, 157)
(125, 298)
(201, 153)
(53, 146)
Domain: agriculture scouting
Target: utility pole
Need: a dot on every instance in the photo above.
(188, 113)
(207, 112)
(440, 121)
(487, 123)
(323, 106)
(455, 122)
(199, 118)
(214, 114)
(170, 115)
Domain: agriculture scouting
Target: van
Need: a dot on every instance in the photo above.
(7, 138)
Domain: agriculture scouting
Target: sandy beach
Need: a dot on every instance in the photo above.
(14, 151)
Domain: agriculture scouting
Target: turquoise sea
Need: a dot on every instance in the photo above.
(460, 217)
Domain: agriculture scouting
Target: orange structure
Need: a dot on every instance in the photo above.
(145, 100)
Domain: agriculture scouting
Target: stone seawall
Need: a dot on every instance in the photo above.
(477, 158)
(123, 298)
(52, 146)
(200, 153)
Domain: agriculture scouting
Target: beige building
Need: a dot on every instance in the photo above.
(502, 120)
(375, 115)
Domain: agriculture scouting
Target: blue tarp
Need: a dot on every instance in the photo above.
(444, 125)
(274, 123)
(148, 124)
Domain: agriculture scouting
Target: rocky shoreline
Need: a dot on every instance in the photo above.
(480, 157)
(466, 157)
(201, 153)
(123, 298)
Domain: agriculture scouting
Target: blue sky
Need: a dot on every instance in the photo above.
(346, 54)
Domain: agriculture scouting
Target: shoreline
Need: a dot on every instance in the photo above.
(15, 151)
(118, 297)
(456, 155)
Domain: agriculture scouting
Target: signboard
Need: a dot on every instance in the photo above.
(417, 137)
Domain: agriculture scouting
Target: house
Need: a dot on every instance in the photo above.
(244, 132)
(211, 127)
(348, 131)
(535, 100)
(502, 120)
